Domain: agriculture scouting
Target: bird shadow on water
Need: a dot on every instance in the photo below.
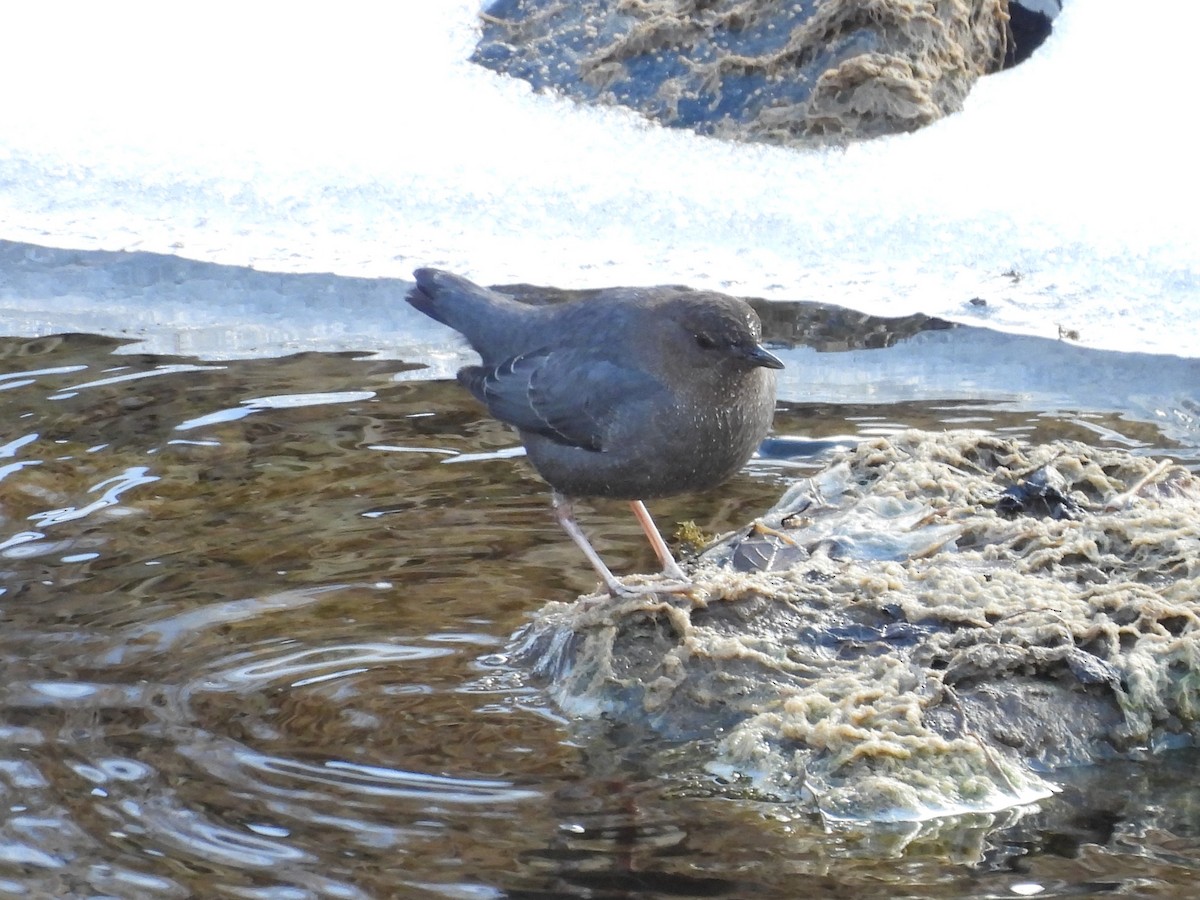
(254, 632)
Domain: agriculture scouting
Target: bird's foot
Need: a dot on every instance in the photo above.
(672, 572)
(761, 527)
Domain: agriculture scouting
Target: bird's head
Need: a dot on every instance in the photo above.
(709, 330)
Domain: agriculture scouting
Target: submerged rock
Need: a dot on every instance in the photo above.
(888, 644)
(766, 70)
(1040, 494)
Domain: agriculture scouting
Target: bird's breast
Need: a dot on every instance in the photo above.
(693, 443)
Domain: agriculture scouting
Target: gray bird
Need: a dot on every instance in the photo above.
(633, 393)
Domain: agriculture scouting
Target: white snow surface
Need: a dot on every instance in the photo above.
(359, 141)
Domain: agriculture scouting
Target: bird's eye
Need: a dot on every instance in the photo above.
(704, 341)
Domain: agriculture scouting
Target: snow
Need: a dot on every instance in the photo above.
(361, 143)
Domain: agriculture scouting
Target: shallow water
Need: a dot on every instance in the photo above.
(254, 621)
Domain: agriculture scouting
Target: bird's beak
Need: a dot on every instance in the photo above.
(761, 356)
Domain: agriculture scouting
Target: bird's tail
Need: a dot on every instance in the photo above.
(432, 295)
(452, 299)
(486, 318)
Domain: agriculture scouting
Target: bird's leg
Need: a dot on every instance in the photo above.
(566, 518)
(670, 567)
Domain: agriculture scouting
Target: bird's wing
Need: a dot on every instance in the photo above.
(568, 396)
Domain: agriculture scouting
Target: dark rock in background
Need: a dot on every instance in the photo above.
(1029, 25)
(797, 73)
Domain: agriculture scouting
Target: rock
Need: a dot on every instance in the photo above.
(914, 651)
(759, 70)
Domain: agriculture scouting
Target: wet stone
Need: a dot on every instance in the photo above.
(797, 73)
(1041, 494)
(891, 642)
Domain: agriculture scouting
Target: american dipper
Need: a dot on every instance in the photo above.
(632, 393)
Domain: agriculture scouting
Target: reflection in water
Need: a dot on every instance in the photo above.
(254, 618)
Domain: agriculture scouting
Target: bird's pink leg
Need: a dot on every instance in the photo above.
(670, 567)
(566, 518)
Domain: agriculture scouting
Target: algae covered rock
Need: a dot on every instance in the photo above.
(799, 72)
(897, 639)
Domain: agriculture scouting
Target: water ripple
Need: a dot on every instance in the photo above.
(159, 635)
(313, 665)
(65, 695)
(113, 488)
(197, 835)
(9, 469)
(378, 781)
(21, 379)
(11, 448)
(281, 401)
(172, 369)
